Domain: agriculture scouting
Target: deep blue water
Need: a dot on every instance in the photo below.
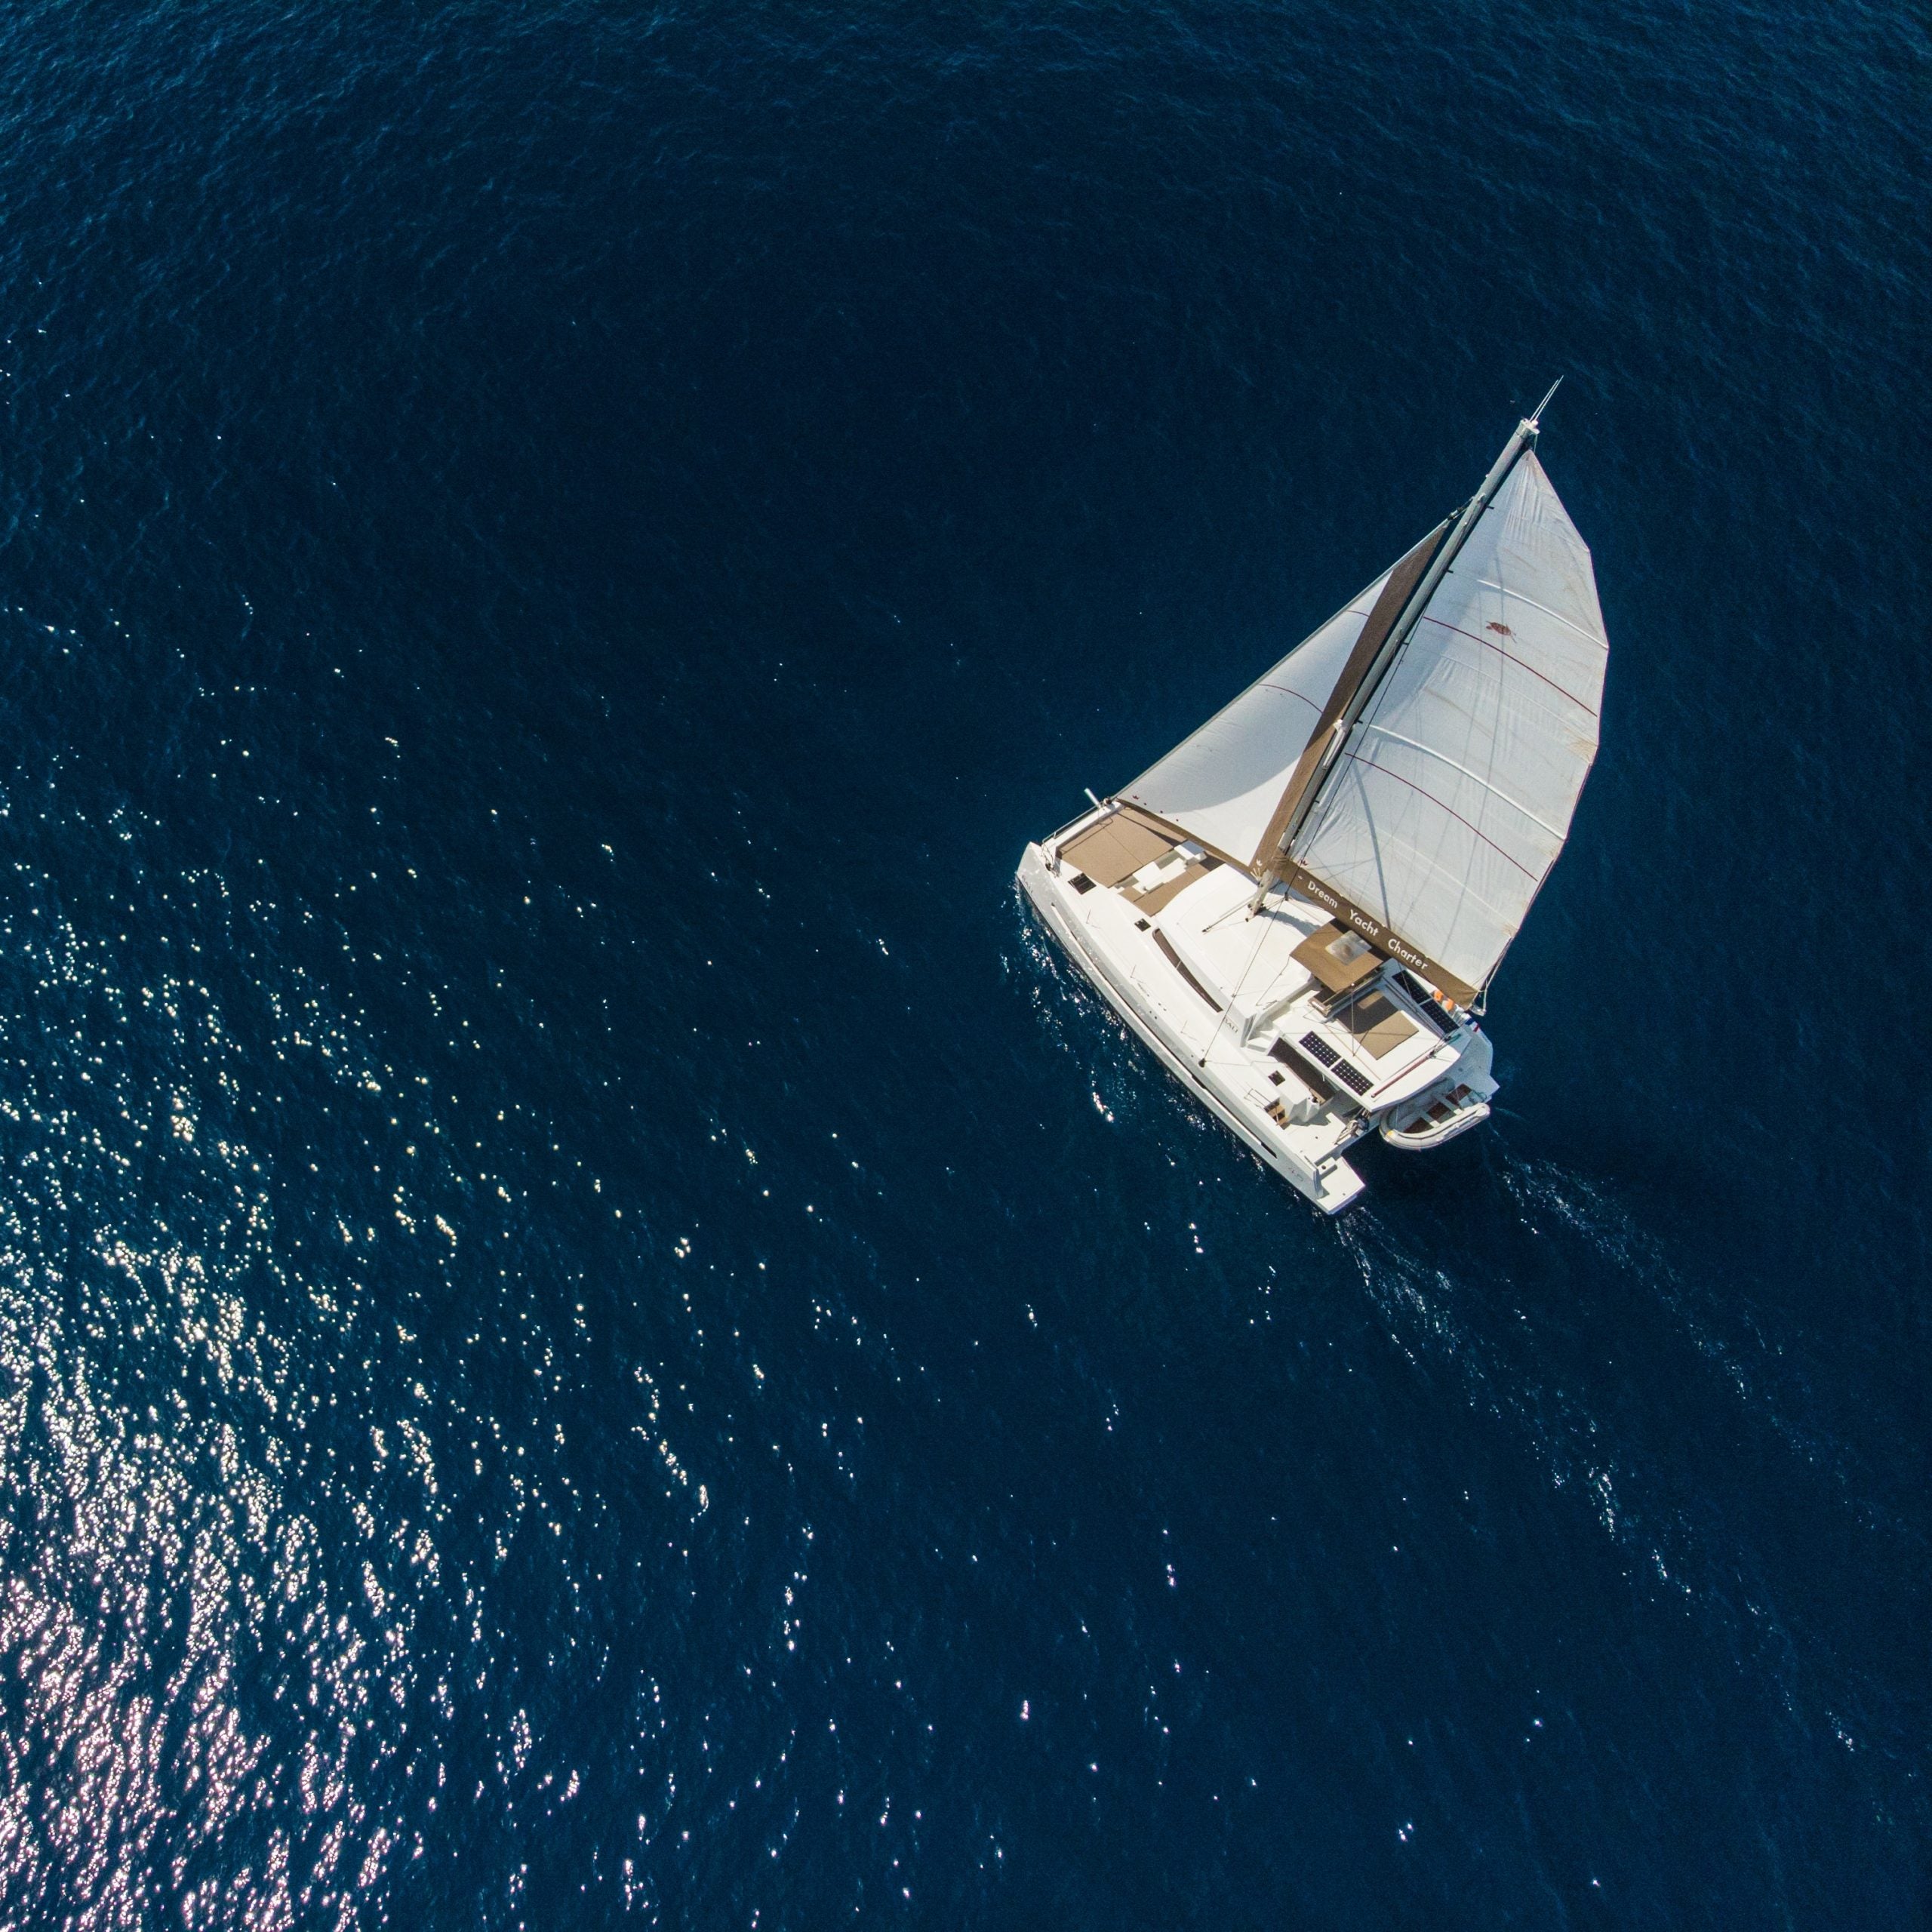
(590, 1322)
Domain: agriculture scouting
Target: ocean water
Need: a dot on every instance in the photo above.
(593, 1327)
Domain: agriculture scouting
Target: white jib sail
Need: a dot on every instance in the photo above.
(1223, 783)
(1452, 796)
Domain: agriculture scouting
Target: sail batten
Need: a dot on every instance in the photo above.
(1435, 752)
(1510, 658)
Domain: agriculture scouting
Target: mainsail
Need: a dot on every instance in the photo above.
(1445, 807)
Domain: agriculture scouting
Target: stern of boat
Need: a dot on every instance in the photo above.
(1454, 1105)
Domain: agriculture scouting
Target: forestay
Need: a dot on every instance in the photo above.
(1450, 800)
(1221, 783)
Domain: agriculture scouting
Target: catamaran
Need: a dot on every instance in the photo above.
(1300, 907)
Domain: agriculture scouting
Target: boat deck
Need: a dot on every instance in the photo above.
(1297, 1034)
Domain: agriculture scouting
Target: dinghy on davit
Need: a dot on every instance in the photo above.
(1300, 908)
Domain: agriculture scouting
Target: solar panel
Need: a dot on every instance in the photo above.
(1314, 1043)
(1424, 998)
(1307, 1071)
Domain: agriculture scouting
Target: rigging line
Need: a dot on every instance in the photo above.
(1234, 997)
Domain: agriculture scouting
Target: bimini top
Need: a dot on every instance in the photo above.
(1414, 764)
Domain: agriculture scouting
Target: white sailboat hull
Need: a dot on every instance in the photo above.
(1331, 1188)
(1267, 1098)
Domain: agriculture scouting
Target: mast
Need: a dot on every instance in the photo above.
(1403, 578)
(1348, 702)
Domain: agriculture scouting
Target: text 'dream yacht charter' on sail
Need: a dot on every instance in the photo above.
(1298, 907)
